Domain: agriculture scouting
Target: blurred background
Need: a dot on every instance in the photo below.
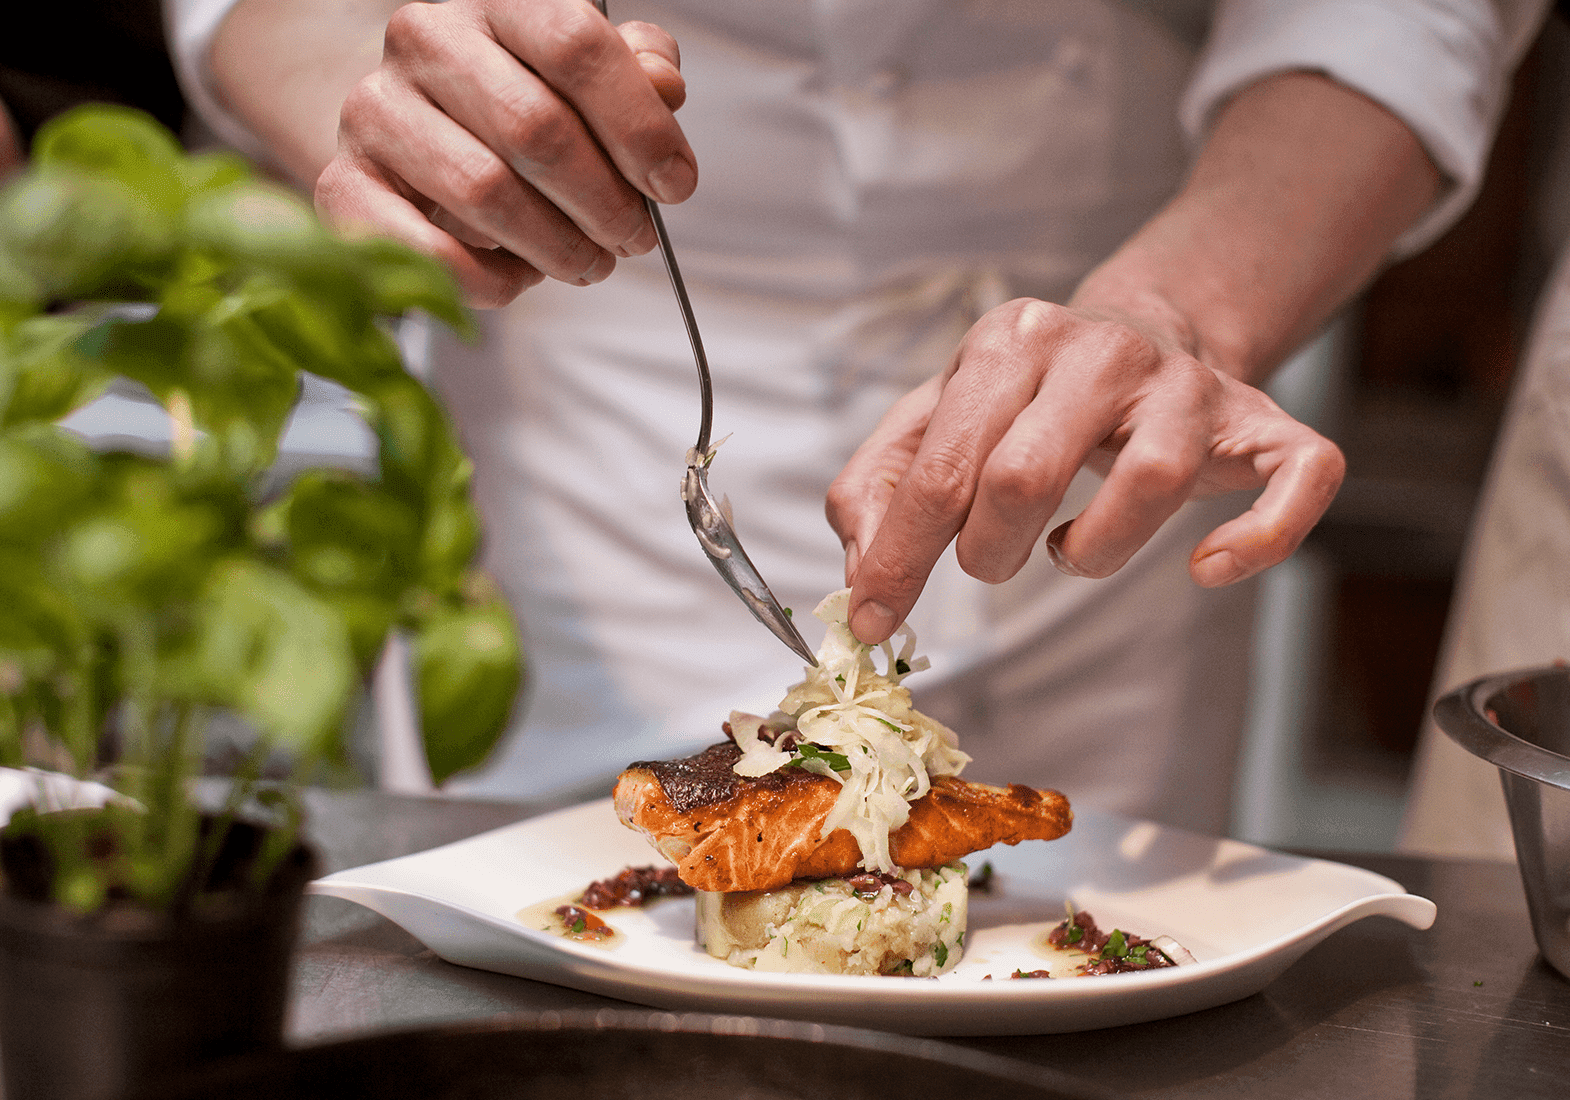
(1410, 382)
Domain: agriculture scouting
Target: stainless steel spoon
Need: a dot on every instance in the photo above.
(709, 518)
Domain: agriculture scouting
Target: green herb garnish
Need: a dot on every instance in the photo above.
(940, 952)
(808, 751)
(901, 666)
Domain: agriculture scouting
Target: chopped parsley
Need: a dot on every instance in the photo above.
(808, 751)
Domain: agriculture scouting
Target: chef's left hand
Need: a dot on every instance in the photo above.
(1291, 207)
(983, 454)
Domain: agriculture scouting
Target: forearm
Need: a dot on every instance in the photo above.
(284, 68)
(1292, 206)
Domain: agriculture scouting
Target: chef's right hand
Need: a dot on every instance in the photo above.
(513, 140)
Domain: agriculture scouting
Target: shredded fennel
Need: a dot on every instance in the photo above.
(880, 749)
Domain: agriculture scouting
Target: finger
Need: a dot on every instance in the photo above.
(353, 200)
(859, 497)
(1300, 486)
(660, 58)
(992, 380)
(583, 58)
(1027, 473)
(1153, 475)
(387, 125)
(514, 121)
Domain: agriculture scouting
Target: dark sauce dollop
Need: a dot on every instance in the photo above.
(634, 886)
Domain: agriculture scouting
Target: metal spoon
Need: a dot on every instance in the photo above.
(709, 518)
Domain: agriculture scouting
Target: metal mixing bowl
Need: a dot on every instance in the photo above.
(1520, 722)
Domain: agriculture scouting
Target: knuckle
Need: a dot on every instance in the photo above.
(537, 130)
(1022, 321)
(574, 48)
(411, 28)
(1012, 479)
(1126, 346)
(839, 503)
(1159, 474)
(368, 102)
(941, 487)
(479, 181)
(894, 577)
(1329, 464)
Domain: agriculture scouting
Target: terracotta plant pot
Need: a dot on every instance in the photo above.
(99, 1006)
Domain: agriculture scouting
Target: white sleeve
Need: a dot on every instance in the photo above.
(190, 26)
(1442, 66)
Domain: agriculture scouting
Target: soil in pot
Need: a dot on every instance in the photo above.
(98, 1006)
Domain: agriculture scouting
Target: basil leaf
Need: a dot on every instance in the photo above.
(468, 669)
(266, 646)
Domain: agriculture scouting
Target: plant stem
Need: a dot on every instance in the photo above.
(182, 428)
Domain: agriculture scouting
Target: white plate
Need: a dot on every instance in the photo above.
(1245, 913)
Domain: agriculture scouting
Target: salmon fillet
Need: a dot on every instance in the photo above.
(727, 833)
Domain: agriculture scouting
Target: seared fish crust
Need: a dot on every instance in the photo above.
(727, 833)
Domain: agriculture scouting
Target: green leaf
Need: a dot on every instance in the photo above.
(44, 375)
(208, 173)
(368, 618)
(808, 751)
(452, 538)
(468, 668)
(46, 477)
(344, 534)
(151, 351)
(65, 235)
(418, 453)
(267, 647)
(259, 224)
(116, 143)
(400, 279)
(148, 539)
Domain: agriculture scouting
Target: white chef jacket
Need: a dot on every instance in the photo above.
(875, 174)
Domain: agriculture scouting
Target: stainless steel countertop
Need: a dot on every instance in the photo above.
(1464, 1009)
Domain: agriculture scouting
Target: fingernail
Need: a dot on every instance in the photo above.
(673, 180)
(1216, 569)
(599, 270)
(640, 242)
(872, 622)
(1055, 551)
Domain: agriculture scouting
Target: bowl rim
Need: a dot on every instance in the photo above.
(1462, 714)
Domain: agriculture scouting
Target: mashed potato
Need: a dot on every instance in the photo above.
(828, 926)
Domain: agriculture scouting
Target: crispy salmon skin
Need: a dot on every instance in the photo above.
(727, 833)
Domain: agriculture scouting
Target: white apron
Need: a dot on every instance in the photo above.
(875, 174)
(1512, 602)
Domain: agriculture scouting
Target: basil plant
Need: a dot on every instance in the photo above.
(141, 595)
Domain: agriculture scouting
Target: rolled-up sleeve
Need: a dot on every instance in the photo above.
(1442, 66)
(191, 26)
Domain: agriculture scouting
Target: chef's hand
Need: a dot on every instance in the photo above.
(1147, 374)
(983, 454)
(513, 140)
